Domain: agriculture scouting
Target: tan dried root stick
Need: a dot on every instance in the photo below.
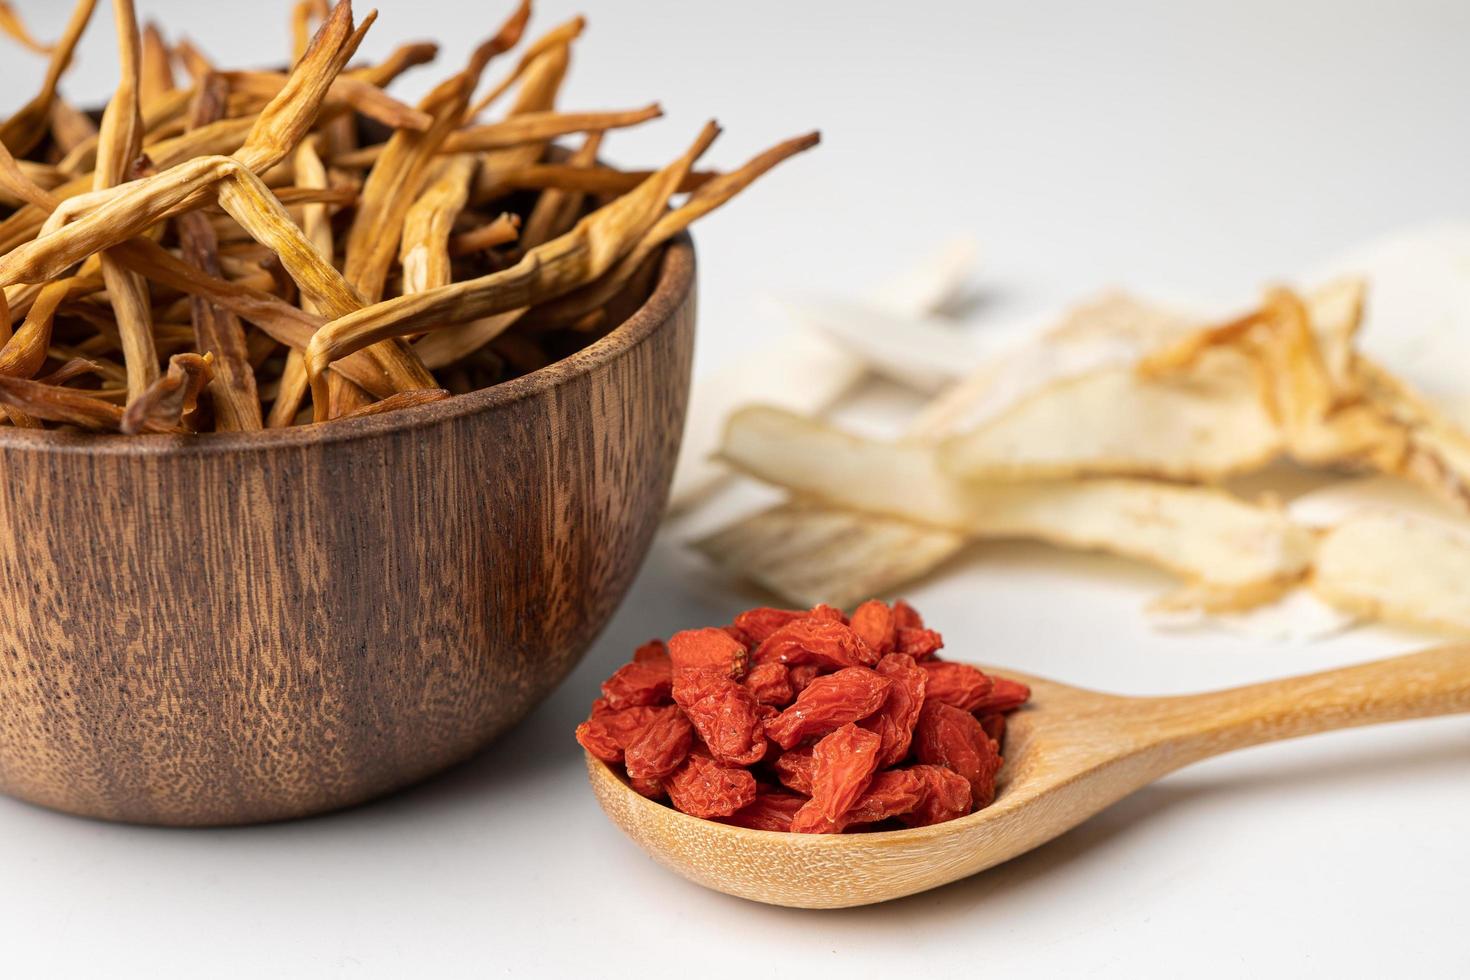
(532, 127)
(423, 251)
(588, 180)
(266, 140)
(167, 403)
(357, 93)
(399, 60)
(196, 63)
(399, 400)
(317, 226)
(546, 272)
(559, 37)
(55, 403)
(442, 348)
(16, 30)
(394, 183)
(389, 191)
(288, 116)
(302, 15)
(287, 324)
(25, 352)
(20, 185)
(22, 131)
(119, 141)
(546, 63)
(156, 74)
(505, 229)
(556, 211)
(70, 128)
(709, 197)
(217, 330)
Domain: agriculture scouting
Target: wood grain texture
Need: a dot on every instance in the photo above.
(1069, 754)
(254, 626)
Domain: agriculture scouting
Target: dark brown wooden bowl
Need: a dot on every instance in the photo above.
(234, 628)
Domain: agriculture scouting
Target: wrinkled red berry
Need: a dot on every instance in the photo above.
(772, 810)
(770, 684)
(845, 761)
(956, 684)
(828, 703)
(949, 737)
(895, 721)
(701, 787)
(640, 683)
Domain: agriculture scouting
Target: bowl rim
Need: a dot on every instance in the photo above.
(672, 288)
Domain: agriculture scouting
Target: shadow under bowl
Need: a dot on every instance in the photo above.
(242, 627)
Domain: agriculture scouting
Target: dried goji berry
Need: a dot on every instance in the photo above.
(906, 616)
(947, 736)
(828, 703)
(845, 700)
(609, 731)
(640, 683)
(822, 611)
(958, 684)
(710, 648)
(772, 810)
(693, 684)
(761, 622)
(895, 721)
(874, 622)
(845, 762)
(796, 769)
(995, 726)
(729, 721)
(890, 794)
(770, 684)
(651, 788)
(652, 650)
(662, 746)
(946, 795)
(1005, 695)
(701, 787)
(809, 819)
(824, 642)
(801, 675)
(918, 643)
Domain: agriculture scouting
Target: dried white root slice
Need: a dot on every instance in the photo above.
(933, 283)
(1199, 410)
(805, 371)
(1111, 330)
(1400, 569)
(1417, 309)
(918, 352)
(1114, 330)
(1232, 554)
(807, 552)
(1204, 424)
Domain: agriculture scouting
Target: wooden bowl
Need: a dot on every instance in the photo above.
(232, 628)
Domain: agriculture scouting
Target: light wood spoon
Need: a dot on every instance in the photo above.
(1069, 754)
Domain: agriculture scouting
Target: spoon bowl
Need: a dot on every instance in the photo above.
(1069, 754)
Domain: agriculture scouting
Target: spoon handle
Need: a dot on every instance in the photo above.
(1419, 685)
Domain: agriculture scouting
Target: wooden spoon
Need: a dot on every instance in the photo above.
(1070, 754)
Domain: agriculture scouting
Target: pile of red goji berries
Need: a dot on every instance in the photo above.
(807, 721)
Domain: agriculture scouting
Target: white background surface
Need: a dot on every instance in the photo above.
(1210, 147)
